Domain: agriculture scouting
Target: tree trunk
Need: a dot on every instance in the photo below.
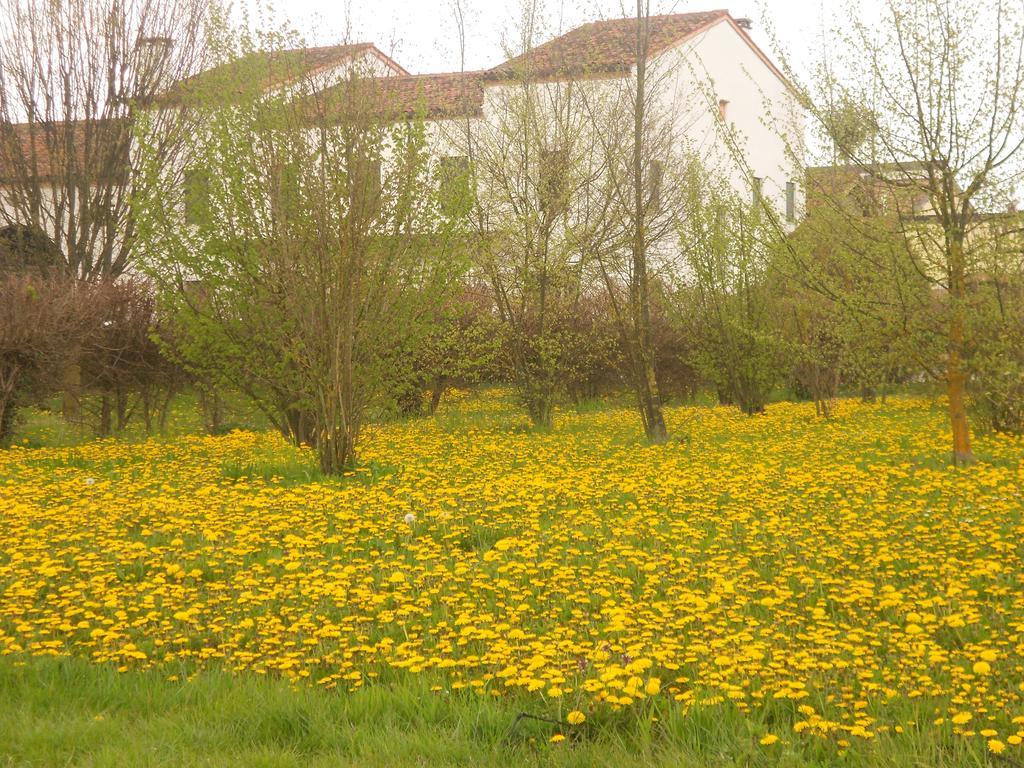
(147, 409)
(650, 407)
(956, 381)
(437, 393)
(121, 404)
(210, 405)
(645, 380)
(336, 451)
(71, 384)
(165, 409)
(7, 409)
(541, 411)
(956, 376)
(105, 415)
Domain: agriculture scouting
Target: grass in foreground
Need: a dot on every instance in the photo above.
(775, 590)
(67, 712)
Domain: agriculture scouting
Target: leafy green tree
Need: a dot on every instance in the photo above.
(727, 246)
(937, 141)
(321, 248)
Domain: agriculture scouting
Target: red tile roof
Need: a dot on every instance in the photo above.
(604, 48)
(262, 71)
(451, 94)
(40, 151)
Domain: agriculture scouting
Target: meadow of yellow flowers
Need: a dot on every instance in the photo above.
(830, 570)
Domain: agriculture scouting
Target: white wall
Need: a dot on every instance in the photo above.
(763, 115)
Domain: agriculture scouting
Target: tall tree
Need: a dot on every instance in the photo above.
(728, 247)
(535, 165)
(642, 135)
(943, 84)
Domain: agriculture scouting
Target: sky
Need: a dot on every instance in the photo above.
(421, 34)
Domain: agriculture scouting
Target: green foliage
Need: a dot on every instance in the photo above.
(324, 254)
(728, 247)
(853, 309)
(997, 360)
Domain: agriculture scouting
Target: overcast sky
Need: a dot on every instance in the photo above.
(421, 33)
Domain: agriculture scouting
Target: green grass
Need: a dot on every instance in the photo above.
(67, 712)
(42, 426)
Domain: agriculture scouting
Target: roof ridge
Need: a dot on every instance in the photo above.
(715, 12)
(440, 74)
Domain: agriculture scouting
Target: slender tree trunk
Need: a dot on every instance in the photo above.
(105, 415)
(121, 405)
(646, 382)
(147, 409)
(210, 405)
(165, 409)
(956, 376)
(71, 383)
(956, 385)
(7, 410)
(440, 385)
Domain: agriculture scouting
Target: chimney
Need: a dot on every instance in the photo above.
(152, 60)
(745, 23)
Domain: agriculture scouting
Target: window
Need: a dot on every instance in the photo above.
(551, 182)
(790, 201)
(453, 184)
(723, 109)
(654, 180)
(197, 196)
(285, 190)
(758, 188)
(366, 187)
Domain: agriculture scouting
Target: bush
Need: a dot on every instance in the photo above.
(996, 363)
(42, 320)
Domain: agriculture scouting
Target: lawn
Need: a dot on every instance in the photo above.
(775, 590)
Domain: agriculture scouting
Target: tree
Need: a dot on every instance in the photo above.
(42, 317)
(75, 77)
(728, 248)
(641, 140)
(943, 83)
(534, 168)
(320, 249)
(121, 360)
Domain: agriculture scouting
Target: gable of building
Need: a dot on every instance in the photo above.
(603, 48)
(261, 72)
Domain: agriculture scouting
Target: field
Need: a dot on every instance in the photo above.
(771, 590)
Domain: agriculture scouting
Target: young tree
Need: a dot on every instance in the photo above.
(320, 249)
(943, 84)
(121, 361)
(728, 247)
(75, 76)
(641, 145)
(42, 318)
(534, 169)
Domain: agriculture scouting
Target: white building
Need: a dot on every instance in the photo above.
(730, 106)
(723, 100)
